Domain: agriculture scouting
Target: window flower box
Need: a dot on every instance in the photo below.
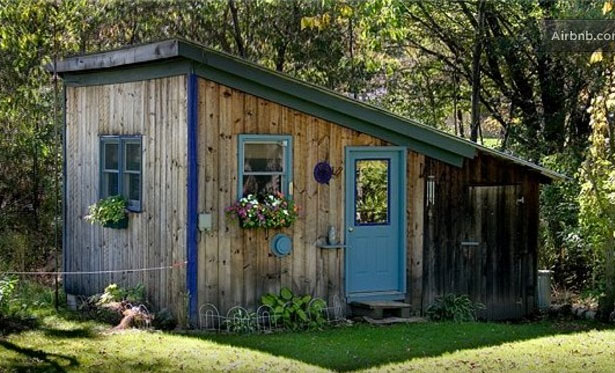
(269, 212)
(109, 212)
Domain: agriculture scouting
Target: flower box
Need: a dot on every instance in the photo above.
(269, 212)
(109, 212)
(121, 224)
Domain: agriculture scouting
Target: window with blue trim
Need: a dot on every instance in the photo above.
(265, 165)
(121, 169)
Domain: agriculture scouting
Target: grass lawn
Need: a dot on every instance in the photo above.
(61, 343)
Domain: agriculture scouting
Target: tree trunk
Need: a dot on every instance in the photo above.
(478, 46)
(236, 29)
(460, 121)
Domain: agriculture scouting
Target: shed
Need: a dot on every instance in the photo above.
(183, 132)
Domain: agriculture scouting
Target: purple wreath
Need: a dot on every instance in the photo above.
(323, 172)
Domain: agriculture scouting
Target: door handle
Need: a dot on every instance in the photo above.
(350, 229)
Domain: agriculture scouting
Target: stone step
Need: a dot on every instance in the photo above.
(380, 309)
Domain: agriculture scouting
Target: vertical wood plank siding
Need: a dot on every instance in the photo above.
(235, 266)
(156, 110)
(481, 202)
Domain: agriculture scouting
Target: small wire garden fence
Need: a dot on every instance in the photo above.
(265, 320)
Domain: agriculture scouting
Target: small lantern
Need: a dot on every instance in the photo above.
(431, 190)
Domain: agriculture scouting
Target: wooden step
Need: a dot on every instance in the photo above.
(380, 309)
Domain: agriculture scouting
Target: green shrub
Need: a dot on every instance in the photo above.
(164, 320)
(107, 210)
(455, 308)
(115, 293)
(8, 285)
(241, 322)
(295, 312)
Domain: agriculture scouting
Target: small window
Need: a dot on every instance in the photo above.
(264, 164)
(121, 169)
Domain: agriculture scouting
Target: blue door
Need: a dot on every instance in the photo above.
(375, 223)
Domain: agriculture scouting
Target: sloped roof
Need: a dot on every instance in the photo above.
(176, 56)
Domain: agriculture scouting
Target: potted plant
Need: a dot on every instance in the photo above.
(270, 211)
(109, 212)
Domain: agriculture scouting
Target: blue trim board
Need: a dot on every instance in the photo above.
(192, 197)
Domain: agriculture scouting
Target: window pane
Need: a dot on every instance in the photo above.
(133, 157)
(110, 184)
(372, 193)
(111, 154)
(132, 186)
(263, 157)
(261, 184)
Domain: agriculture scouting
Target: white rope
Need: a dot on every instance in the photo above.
(173, 266)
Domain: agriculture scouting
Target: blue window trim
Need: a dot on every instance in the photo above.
(356, 192)
(132, 205)
(287, 177)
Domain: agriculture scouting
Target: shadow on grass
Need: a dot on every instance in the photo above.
(85, 332)
(46, 361)
(365, 346)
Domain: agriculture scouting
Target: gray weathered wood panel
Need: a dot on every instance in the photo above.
(156, 110)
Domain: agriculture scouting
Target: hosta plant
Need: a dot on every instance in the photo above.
(270, 211)
(295, 312)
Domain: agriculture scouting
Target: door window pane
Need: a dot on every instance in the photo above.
(112, 156)
(263, 157)
(133, 157)
(372, 192)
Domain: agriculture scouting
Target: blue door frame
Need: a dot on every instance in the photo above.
(375, 257)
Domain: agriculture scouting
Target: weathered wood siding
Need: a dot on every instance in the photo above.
(235, 265)
(481, 202)
(155, 109)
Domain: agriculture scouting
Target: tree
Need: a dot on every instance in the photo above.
(597, 198)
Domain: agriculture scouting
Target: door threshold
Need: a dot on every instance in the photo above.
(385, 296)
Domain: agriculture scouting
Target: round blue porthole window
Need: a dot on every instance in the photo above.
(281, 245)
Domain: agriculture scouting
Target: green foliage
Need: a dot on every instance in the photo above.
(295, 312)
(164, 320)
(564, 248)
(242, 322)
(372, 187)
(8, 285)
(451, 307)
(597, 197)
(107, 210)
(115, 293)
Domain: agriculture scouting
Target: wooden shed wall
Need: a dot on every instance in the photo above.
(235, 266)
(155, 109)
(505, 277)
